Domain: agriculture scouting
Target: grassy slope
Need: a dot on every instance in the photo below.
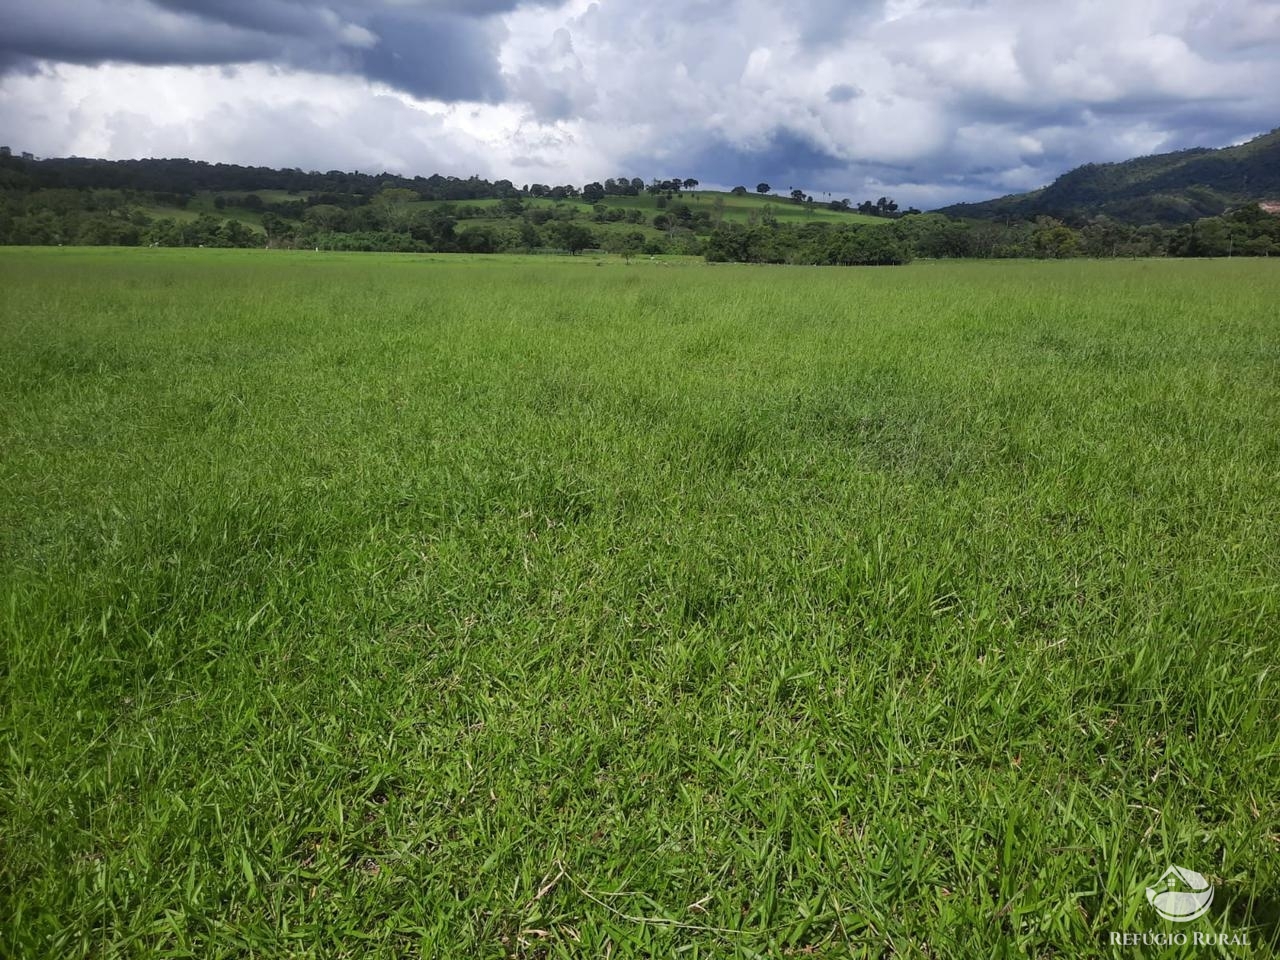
(202, 204)
(487, 607)
(736, 210)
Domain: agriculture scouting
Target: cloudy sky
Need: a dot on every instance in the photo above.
(930, 101)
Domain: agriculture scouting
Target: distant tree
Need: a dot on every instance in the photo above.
(744, 244)
(573, 237)
(1260, 246)
(326, 216)
(435, 227)
(739, 191)
(797, 196)
(593, 193)
(690, 184)
(1103, 237)
(529, 235)
(276, 227)
(625, 245)
(1052, 238)
(231, 233)
(108, 201)
(762, 188)
(392, 208)
(510, 207)
(865, 245)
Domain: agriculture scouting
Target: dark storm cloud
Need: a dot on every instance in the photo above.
(93, 31)
(784, 160)
(442, 56)
(445, 50)
(281, 17)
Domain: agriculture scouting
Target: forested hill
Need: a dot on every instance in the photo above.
(1167, 188)
(189, 177)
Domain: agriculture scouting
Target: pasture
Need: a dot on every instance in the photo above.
(723, 207)
(555, 607)
(726, 207)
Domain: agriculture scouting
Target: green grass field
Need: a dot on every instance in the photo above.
(424, 606)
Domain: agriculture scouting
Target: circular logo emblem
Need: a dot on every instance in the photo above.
(1181, 895)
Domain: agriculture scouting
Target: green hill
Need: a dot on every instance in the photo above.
(188, 202)
(722, 206)
(488, 212)
(177, 202)
(1168, 188)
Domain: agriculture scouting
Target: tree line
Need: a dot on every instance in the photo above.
(475, 216)
(1247, 231)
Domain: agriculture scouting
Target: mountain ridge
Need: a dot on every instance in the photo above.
(1165, 188)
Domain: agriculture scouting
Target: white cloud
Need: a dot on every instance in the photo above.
(938, 99)
(254, 114)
